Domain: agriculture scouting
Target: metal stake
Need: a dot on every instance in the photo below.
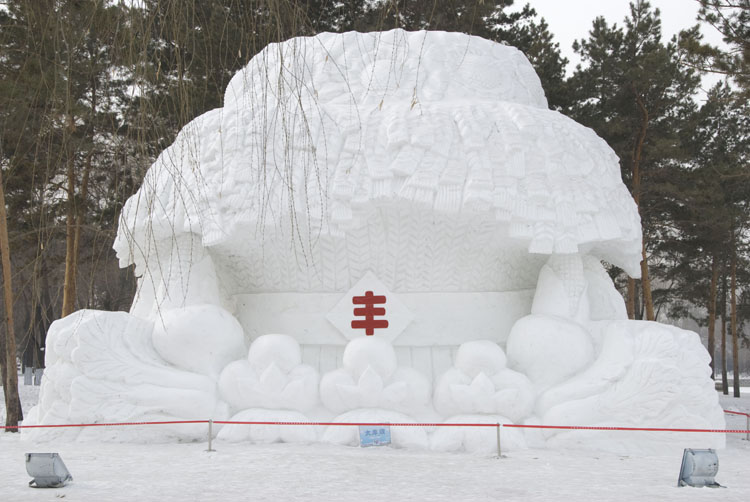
(747, 428)
(499, 448)
(210, 434)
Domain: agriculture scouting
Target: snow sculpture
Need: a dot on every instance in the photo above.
(103, 367)
(271, 384)
(272, 376)
(200, 338)
(549, 349)
(647, 375)
(370, 378)
(476, 439)
(480, 383)
(408, 211)
(481, 389)
(236, 433)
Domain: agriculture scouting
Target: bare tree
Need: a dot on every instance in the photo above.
(10, 375)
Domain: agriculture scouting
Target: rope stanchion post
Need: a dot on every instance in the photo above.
(210, 434)
(747, 421)
(499, 446)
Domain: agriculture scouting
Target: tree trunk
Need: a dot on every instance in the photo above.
(630, 304)
(636, 164)
(42, 311)
(10, 380)
(80, 210)
(638, 301)
(712, 313)
(74, 221)
(724, 381)
(47, 313)
(733, 322)
(69, 283)
(648, 302)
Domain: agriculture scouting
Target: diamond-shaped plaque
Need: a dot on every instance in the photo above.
(370, 309)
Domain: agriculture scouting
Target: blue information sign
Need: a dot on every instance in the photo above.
(370, 435)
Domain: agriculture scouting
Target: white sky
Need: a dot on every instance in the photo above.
(572, 19)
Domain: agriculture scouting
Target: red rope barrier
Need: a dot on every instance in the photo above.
(737, 413)
(364, 424)
(640, 429)
(112, 424)
(383, 424)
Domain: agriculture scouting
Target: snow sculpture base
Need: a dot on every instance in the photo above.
(481, 440)
(264, 434)
(422, 170)
(646, 375)
(103, 368)
(401, 437)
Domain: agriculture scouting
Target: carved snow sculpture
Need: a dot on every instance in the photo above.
(604, 301)
(481, 389)
(271, 433)
(272, 377)
(181, 273)
(609, 372)
(371, 378)
(480, 382)
(549, 349)
(422, 167)
(481, 440)
(104, 368)
(647, 375)
(200, 338)
(272, 384)
(429, 159)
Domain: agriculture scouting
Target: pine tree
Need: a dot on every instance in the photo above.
(61, 129)
(732, 20)
(710, 214)
(633, 91)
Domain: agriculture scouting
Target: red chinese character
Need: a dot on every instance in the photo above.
(369, 311)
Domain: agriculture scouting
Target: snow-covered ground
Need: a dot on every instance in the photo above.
(239, 472)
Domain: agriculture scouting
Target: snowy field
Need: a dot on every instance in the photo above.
(241, 472)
